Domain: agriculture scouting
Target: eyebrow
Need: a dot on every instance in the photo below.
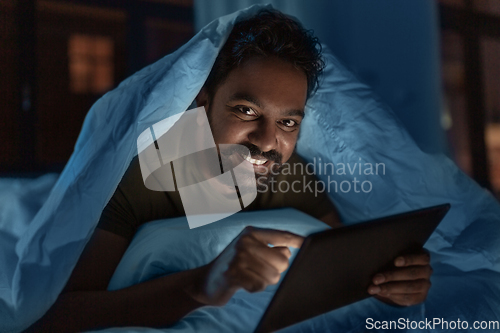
(255, 101)
(245, 97)
(292, 113)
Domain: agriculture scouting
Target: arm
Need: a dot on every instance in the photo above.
(85, 303)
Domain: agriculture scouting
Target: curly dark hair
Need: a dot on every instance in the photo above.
(268, 33)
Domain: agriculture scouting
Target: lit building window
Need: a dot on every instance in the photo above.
(90, 64)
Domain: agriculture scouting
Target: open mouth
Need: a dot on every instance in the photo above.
(255, 161)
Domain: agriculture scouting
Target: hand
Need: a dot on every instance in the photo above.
(248, 263)
(405, 285)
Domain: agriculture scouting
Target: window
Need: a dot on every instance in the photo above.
(471, 77)
(90, 64)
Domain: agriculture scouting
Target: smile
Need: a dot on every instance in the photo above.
(254, 161)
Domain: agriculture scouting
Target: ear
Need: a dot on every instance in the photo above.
(202, 99)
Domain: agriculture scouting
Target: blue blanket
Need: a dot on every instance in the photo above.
(344, 124)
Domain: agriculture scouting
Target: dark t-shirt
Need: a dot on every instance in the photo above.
(133, 204)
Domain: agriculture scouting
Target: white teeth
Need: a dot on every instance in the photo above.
(254, 161)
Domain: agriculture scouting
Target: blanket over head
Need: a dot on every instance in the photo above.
(344, 124)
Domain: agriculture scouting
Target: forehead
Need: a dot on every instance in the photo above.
(268, 83)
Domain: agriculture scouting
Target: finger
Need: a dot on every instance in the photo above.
(276, 237)
(245, 261)
(248, 280)
(274, 257)
(407, 299)
(400, 287)
(403, 274)
(283, 250)
(423, 258)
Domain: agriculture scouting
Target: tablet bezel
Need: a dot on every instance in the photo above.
(292, 302)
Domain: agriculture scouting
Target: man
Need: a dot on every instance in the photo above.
(254, 96)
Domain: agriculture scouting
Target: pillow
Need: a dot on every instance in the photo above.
(168, 246)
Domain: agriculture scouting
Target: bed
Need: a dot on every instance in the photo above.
(42, 238)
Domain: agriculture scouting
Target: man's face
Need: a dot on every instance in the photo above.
(260, 105)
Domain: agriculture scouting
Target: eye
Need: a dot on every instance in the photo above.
(247, 111)
(289, 123)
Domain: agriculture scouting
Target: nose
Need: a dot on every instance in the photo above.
(264, 136)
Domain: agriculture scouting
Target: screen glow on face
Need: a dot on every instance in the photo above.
(260, 105)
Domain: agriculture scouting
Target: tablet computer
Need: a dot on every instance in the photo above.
(334, 268)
